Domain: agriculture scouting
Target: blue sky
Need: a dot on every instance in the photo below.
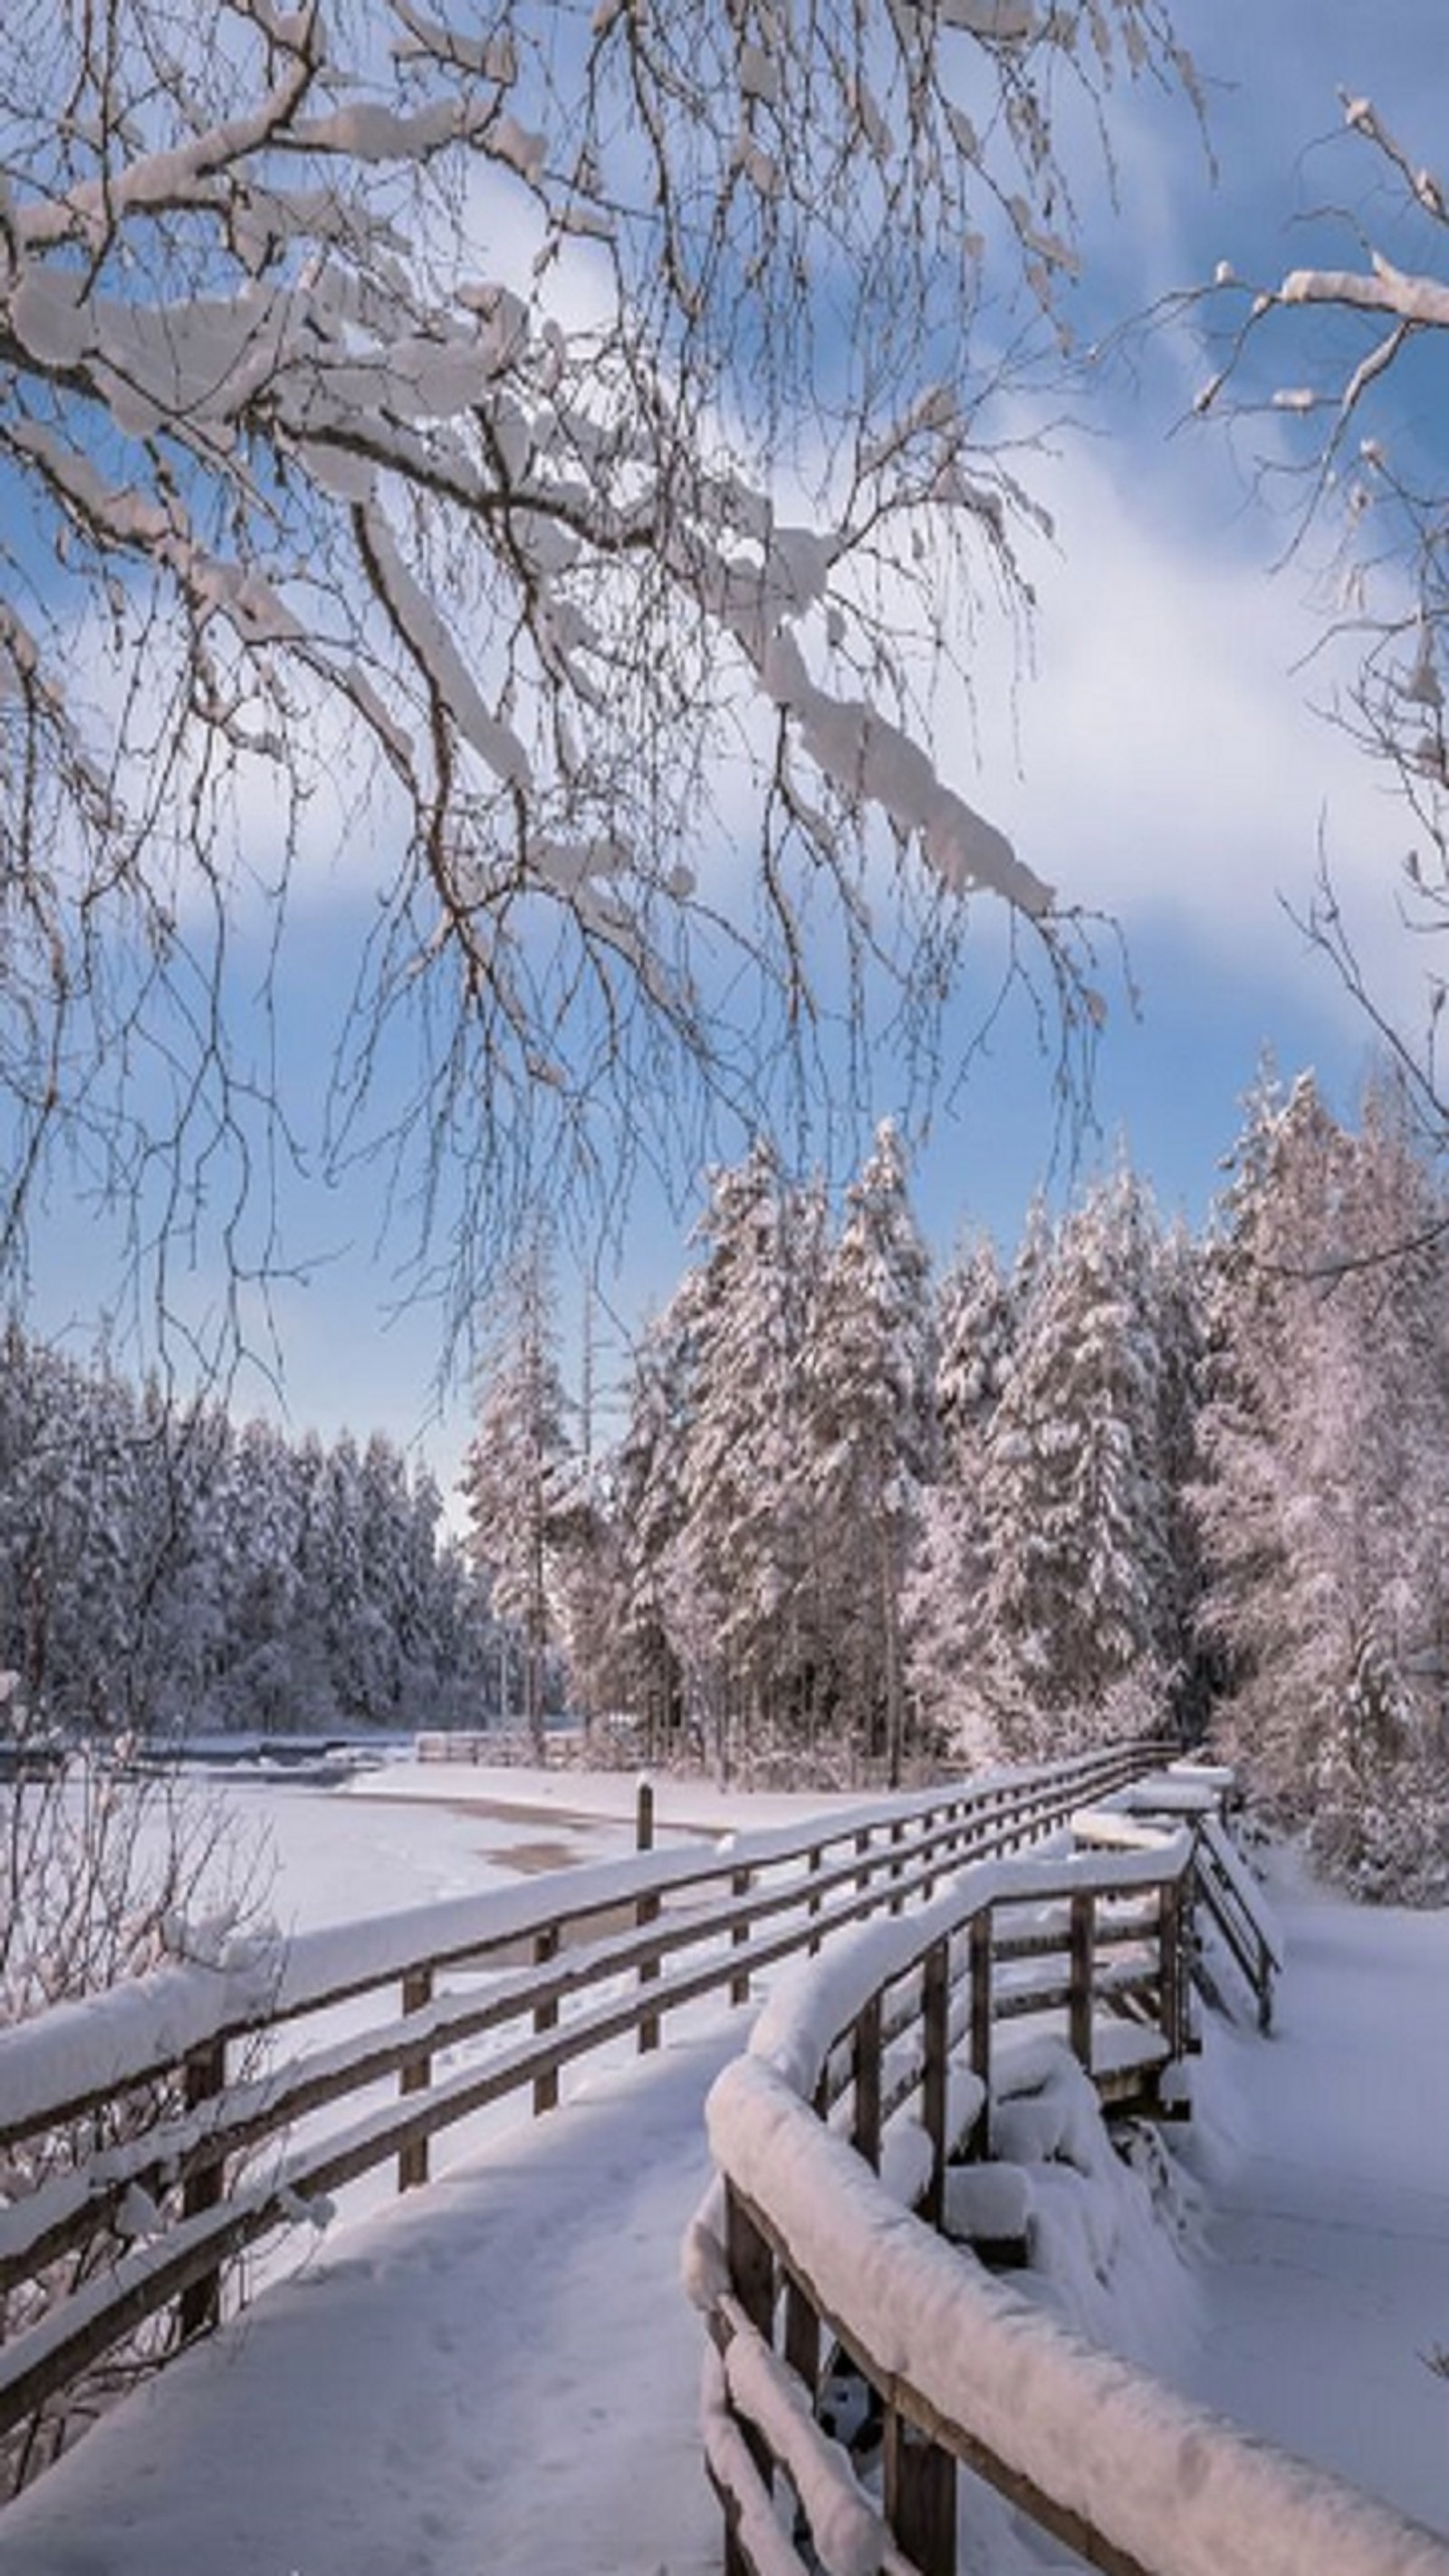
(1162, 764)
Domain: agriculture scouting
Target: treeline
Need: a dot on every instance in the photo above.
(163, 1565)
(1127, 1479)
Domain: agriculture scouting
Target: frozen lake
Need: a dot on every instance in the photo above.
(415, 1833)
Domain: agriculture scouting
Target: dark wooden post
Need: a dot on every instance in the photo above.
(199, 2307)
(920, 2497)
(981, 2022)
(1171, 1967)
(1079, 2004)
(412, 2162)
(897, 1831)
(802, 2336)
(752, 2277)
(545, 2018)
(935, 2023)
(740, 1884)
(862, 1845)
(646, 1910)
(865, 2051)
(926, 1827)
(816, 1858)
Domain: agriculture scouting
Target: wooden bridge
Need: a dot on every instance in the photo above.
(204, 2110)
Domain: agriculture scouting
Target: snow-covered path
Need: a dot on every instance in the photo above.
(499, 2373)
(1325, 2277)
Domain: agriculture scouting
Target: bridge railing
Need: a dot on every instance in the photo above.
(821, 2239)
(149, 2136)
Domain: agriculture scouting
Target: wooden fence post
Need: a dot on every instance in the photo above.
(646, 1909)
(981, 2022)
(198, 2308)
(936, 2032)
(545, 2018)
(412, 2163)
(920, 2497)
(740, 1884)
(897, 1831)
(1079, 2002)
(751, 2267)
(865, 2054)
(816, 1858)
(1172, 1967)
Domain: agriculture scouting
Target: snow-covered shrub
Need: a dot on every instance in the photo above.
(107, 1871)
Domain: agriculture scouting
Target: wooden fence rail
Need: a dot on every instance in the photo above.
(149, 2136)
(833, 2139)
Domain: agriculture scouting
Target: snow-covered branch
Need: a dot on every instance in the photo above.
(531, 416)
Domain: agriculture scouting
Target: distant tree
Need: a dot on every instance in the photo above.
(1322, 1438)
(519, 1469)
(1179, 1299)
(975, 1323)
(737, 1559)
(1073, 1494)
(646, 1474)
(447, 436)
(870, 1374)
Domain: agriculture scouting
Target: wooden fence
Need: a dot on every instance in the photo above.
(835, 2139)
(149, 2136)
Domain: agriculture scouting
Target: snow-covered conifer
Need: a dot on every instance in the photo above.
(519, 1468)
(870, 1376)
(1073, 1504)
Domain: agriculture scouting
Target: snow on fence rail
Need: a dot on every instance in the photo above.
(151, 2134)
(817, 2235)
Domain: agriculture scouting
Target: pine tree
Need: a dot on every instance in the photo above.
(518, 1470)
(870, 1373)
(736, 1561)
(947, 1570)
(1073, 1499)
(647, 1482)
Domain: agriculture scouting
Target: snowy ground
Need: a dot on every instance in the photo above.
(501, 2372)
(1323, 2288)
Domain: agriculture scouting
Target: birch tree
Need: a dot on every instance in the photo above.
(432, 445)
(1344, 356)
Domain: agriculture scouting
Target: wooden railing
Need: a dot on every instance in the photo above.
(150, 2135)
(834, 2139)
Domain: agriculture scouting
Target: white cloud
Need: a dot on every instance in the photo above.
(1172, 767)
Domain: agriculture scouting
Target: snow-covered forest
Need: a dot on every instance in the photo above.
(1125, 1480)
(163, 1565)
(854, 1516)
